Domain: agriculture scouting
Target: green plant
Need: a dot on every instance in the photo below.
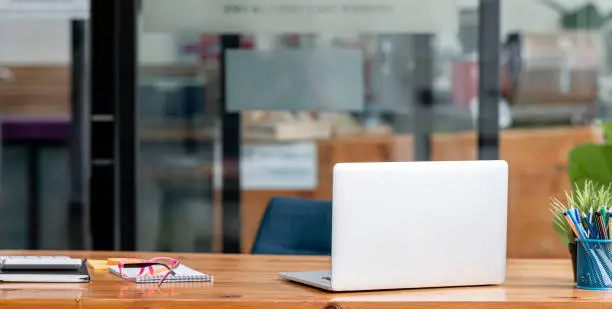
(587, 196)
(587, 16)
(592, 161)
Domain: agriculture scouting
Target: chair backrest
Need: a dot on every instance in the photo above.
(295, 226)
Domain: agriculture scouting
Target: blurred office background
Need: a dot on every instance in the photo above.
(334, 97)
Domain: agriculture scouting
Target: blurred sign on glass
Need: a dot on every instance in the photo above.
(291, 166)
(239, 16)
(296, 80)
(46, 9)
(276, 166)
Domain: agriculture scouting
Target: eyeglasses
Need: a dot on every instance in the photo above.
(159, 266)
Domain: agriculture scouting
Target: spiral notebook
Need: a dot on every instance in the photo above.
(182, 273)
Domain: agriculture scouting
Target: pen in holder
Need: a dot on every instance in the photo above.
(594, 264)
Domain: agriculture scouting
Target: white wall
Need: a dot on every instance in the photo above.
(527, 15)
(47, 42)
(154, 48)
(34, 42)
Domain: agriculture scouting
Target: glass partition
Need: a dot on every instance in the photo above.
(281, 91)
(42, 200)
(178, 126)
(266, 96)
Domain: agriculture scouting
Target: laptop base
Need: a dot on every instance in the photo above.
(319, 279)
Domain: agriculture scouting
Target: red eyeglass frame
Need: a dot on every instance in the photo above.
(147, 264)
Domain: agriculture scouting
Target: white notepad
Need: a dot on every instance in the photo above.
(182, 273)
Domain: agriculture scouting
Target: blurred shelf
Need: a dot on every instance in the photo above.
(177, 135)
(170, 70)
(449, 118)
(551, 112)
(176, 173)
(179, 131)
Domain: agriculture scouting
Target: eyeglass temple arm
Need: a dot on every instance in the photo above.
(143, 265)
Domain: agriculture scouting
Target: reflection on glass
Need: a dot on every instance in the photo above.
(414, 88)
(177, 110)
(35, 121)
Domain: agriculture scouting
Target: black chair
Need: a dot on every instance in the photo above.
(295, 226)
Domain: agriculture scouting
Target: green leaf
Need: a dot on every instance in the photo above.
(590, 173)
(585, 17)
(590, 162)
(586, 196)
(606, 127)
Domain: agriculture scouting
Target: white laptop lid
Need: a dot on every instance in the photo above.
(419, 224)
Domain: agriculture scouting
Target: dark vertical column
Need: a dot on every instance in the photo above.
(125, 130)
(231, 158)
(103, 98)
(34, 195)
(489, 92)
(76, 204)
(423, 79)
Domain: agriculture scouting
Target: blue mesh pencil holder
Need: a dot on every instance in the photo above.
(594, 264)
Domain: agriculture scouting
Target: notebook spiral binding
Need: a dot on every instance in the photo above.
(181, 285)
(176, 278)
(181, 274)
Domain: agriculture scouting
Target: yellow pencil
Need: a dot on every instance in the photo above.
(609, 227)
(115, 261)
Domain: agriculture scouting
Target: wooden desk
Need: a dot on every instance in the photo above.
(247, 281)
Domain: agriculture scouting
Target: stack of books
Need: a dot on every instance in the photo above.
(51, 269)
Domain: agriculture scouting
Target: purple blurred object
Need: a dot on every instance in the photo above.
(41, 129)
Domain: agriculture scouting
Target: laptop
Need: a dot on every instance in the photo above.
(402, 225)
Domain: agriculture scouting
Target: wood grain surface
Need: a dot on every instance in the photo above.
(250, 281)
(36, 92)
